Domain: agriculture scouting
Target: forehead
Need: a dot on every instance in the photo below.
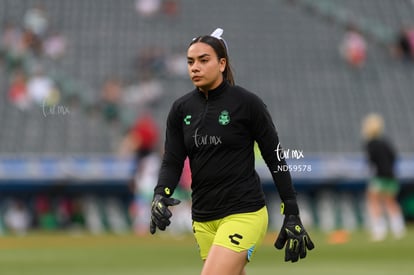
(198, 49)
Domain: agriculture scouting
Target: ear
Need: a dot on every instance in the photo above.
(222, 64)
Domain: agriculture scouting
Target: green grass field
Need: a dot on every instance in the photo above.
(61, 253)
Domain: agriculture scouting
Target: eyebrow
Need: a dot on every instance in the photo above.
(199, 57)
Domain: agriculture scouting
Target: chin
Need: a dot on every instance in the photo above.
(201, 87)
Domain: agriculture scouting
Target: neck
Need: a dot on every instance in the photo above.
(213, 86)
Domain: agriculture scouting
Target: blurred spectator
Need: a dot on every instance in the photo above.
(17, 217)
(13, 48)
(91, 205)
(17, 92)
(404, 46)
(36, 20)
(77, 216)
(147, 8)
(353, 47)
(383, 187)
(68, 213)
(33, 42)
(54, 46)
(170, 8)
(142, 141)
(35, 26)
(176, 64)
(111, 98)
(42, 89)
(44, 212)
(114, 213)
(10, 38)
(151, 61)
(140, 96)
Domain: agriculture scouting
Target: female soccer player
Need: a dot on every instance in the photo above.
(216, 125)
(383, 187)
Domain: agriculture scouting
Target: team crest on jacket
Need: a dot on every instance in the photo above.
(224, 118)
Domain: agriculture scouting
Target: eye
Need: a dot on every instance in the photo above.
(190, 62)
(204, 60)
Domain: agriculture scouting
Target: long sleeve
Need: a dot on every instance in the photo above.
(264, 132)
(174, 154)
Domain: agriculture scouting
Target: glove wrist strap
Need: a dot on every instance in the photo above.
(289, 207)
(163, 191)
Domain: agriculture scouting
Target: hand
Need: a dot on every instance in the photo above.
(295, 237)
(160, 214)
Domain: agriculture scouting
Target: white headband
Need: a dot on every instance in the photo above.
(217, 33)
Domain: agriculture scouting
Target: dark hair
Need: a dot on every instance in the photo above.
(220, 49)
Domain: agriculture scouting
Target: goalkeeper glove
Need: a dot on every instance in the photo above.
(160, 214)
(294, 236)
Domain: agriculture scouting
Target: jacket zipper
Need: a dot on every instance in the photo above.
(205, 111)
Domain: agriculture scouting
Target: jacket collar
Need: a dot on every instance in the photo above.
(216, 91)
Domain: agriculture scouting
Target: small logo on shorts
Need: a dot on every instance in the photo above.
(234, 237)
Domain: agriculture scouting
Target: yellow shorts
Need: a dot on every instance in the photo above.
(238, 232)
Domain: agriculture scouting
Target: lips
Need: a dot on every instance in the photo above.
(196, 78)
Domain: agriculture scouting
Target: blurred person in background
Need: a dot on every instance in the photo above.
(404, 44)
(383, 187)
(175, 65)
(111, 96)
(17, 217)
(150, 61)
(147, 8)
(35, 27)
(353, 47)
(45, 216)
(142, 141)
(36, 20)
(215, 125)
(33, 43)
(13, 47)
(17, 92)
(146, 93)
(41, 88)
(55, 45)
(171, 8)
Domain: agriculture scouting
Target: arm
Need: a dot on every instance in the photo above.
(264, 132)
(170, 172)
(174, 155)
(293, 235)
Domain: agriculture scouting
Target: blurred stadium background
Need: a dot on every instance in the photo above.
(60, 147)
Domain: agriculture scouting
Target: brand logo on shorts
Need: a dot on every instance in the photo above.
(234, 237)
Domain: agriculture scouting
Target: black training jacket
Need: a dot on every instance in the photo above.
(382, 157)
(217, 133)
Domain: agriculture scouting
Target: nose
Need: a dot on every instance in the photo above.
(194, 68)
